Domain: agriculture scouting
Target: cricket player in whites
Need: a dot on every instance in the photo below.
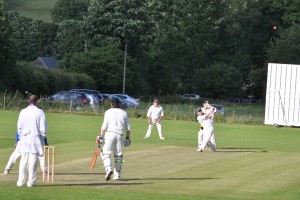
(155, 115)
(206, 108)
(17, 154)
(205, 121)
(112, 131)
(31, 125)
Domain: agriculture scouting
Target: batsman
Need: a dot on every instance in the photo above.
(115, 122)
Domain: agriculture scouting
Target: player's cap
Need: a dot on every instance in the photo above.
(199, 110)
(114, 100)
(156, 101)
(206, 101)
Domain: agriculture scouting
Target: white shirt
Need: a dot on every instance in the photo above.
(206, 122)
(155, 113)
(31, 126)
(116, 120)
(212, 115)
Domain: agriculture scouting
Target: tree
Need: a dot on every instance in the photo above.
(244, 34)
(118, 22)
(8, 53)
(69, 10)
(105, 66)
(218, 80)
(286, 49)
(46, 40)
(186, 40)
(34, 38)
(69, 38)
(282, 13)
(258, 80)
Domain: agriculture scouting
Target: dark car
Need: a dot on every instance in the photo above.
(78, 99)
(92, 92)
(123, 103)
(234, 100)
(190, 96)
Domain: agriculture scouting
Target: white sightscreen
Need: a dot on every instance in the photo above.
(283, 95)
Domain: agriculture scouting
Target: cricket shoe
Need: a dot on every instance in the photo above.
(6, 171)
(116, 177)
(33, 185)
(162, 138)
(108, 175)
(146, 137)
(199, 150)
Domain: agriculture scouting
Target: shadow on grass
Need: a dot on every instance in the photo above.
(240, 150)
(234, 151)
(125, 182)
(79, 173)
(168, 179)
(111, 183)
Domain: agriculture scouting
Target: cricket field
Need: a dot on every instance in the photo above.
(252, 162)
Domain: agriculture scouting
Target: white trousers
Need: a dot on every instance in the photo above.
(200, 137)
(207, 132)
(27, 169)
(16, 155)
(213, 139)
(113, 144)
(150, 127)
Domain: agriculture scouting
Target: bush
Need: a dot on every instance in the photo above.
(42, 81)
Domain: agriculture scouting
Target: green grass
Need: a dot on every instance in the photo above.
(252, 162)
(35, 9)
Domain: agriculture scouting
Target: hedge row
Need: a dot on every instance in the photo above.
(41, 81)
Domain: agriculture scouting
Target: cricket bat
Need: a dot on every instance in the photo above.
(95, 156)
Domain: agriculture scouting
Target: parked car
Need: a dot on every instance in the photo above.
(128, 98)
(123, 103)
(57, 96)
(94, 101)
(190, 96)
(234, 100)
(104, 96)
(220, 108)
(79, 99)
(94, 92)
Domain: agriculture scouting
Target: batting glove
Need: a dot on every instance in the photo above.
(127, 142)
(99, 139)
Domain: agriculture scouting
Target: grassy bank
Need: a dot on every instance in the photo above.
(35, 9)
(252, 162)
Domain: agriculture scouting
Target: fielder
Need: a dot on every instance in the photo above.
(17, 154)
(115, 121)
(31, 125)
(155, 115)
(208, 128)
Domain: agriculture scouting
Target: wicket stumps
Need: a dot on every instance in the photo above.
(49, 151)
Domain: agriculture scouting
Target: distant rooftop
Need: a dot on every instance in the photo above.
(46, 62)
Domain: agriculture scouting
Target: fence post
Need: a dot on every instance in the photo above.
(233, 117)
(4, 100)
(194, 114)
(4, 107)
(71, 106)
